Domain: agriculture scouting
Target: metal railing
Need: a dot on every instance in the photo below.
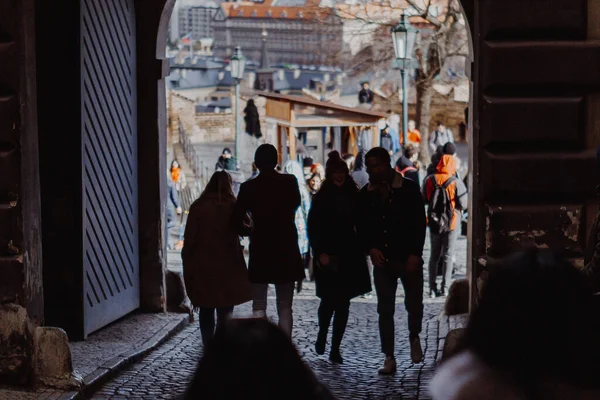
(201, 171)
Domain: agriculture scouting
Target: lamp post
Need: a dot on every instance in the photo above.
(404, 36)
(237, 64)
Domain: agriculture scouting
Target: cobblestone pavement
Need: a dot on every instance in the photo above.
(40, 394)
(165, 373)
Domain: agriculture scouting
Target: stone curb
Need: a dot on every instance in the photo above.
(107, 371)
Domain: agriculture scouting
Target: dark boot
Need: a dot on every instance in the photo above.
(340, 320)
(325, 314)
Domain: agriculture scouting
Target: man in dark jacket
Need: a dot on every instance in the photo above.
(391, 226)
(365, 96)
(226, 162)
(271, 199)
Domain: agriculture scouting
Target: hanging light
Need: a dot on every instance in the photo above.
(238, 64)
(404, 37)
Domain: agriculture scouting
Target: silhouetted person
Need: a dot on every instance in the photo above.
(214, 268)
(271, 199)
(252, 359)
(532, 336)
(392, 229)
(252, 120)
(341, 271)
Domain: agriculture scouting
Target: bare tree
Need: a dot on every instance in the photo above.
(442, 39)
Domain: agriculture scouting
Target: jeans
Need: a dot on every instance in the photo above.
(442, 248)
(339, 309)
(386, 283)
(285, 297)
(207, 321)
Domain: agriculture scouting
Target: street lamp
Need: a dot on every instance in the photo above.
(404, 36)
(237, 64)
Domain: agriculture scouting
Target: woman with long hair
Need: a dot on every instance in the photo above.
(214, 268)
(341, 271)
(177, 175)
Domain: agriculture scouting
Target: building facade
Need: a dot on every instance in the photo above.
(519, 79)
(298, 33)
(197, 20)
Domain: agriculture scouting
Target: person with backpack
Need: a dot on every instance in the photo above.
(447, 197)
(440, 136)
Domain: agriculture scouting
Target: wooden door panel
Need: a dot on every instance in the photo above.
(109, 125)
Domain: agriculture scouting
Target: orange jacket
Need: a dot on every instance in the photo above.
(175, 174)
(411, 137)
(414, 136)
(457, 192)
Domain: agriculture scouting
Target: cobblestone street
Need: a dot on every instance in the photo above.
(165, 373)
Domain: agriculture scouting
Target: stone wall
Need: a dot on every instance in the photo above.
(220, 128)
(183, 108)
(212, 127)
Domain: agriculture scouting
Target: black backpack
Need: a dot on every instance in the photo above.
(440, 212)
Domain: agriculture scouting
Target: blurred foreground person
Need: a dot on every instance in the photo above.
(533, 336)
(253, 359)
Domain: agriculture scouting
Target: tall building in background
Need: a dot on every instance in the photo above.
(175, 29)
(197, 20)
(300, 31)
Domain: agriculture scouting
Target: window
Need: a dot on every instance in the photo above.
(269, 13)
(283, 14)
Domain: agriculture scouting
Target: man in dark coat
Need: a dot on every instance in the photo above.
(271, 199)
(365, 96)
(391, 227)
(252, 120)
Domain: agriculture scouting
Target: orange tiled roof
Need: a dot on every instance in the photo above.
(310, 11)
(387, 11)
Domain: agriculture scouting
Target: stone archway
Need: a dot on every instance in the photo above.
(509, 172)
(534, 127)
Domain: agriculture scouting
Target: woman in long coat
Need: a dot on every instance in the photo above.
(341, 271)
(214, 269)
(252, 120)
